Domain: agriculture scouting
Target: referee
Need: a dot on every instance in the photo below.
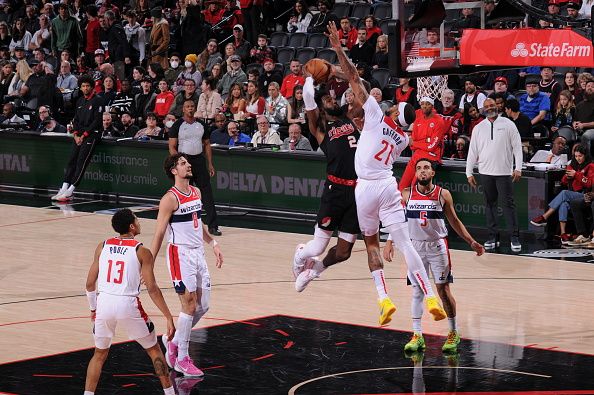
(189, 136)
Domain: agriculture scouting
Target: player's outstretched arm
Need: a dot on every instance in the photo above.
(208, 239)
(147, 263)
(348, 68)
(457, 225)
(167, 206)
(313, 112)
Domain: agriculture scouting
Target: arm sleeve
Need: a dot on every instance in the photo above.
(373, 112)
(309, 95)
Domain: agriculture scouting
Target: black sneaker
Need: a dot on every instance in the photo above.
(492, 243)
(215, 231)
(515, 244)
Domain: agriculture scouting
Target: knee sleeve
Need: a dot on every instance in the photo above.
(148, 341)
(418, 297)
(401, 239)
(318, 244)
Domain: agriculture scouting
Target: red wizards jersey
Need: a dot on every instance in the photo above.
(185, 226)
(119, 267)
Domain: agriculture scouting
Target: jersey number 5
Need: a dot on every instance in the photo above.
(195, 219)
(119, 272)
(380, 155)
(423, 218)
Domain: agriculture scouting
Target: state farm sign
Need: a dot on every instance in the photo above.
(525, 47)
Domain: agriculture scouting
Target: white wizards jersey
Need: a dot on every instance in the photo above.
(381, 142)
(185, 226)
(119, 267)
(425, 215)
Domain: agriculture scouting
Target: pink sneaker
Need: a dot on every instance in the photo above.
(185, 385)
(170, 351)
(187, 368)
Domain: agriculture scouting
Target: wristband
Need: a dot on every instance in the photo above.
(213, 243)
(92, 298)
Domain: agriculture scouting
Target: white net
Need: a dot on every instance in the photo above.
(431, 86)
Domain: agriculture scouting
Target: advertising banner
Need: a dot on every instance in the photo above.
(525, 47)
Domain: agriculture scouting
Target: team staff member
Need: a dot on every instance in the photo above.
(495, 145)
(189, 136)
(427, 206)
(86, 125)
(426, 140)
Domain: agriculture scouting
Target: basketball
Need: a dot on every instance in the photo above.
(319, 70)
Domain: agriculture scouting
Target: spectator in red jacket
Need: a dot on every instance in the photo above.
(293, 79)
(373, 30)
(451, 114)
(426, 140)
(164, 100)
(347, 35)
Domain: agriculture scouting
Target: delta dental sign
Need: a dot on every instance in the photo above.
(526, 47)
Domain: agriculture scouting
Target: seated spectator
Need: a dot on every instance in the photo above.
(362, 51)
(255, 104)
(210, 102)
(548, 85)
(556, 156)
(207, 58)
(319, 23)
(276, 106)
(235, 136)
(213, 13)
(579, 178)
(124, 100)
(144, 102)
(452, 117)
(462, 145)
(300, 19)
(337, 87)
(42, 87)
(292, 79)
(500, 88)
(8, 116)
(108, 129)
(261, 51)
(128, 128)
(534, 104)
(467, 20)
(380, 57)
(216, 73)
(44, 114)
(512, 110)
(109, 92)
(164, 100)
(347, 34)
(296, 141)
(152, 131)
(6, 76)
(66, 82)
(190, 72)
(573, 10)
(229, 51)
(20, 36)
(564, 112)
(373, 30)
(500, 102)
(167, 125)
(377, 95)
(264, 134)
(584, 116)
(570, 83)
(475, 117)
(472, 96)
(188, 93)
(138, 74)
(296, 106)
(175, 69)
(235, 104)
(432, 39)
(218, 130)
(349, 109)
(242, 46)
(51, 125)
(406, 93)
(234, 75)
(269, 75)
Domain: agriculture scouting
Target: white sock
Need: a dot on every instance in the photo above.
(416, 308)
(89, 393)
(182, 335)
(417, 326)
(380, 283)
(318, 266)
(452, 323)
(70, 189)
(169, 391)
(64, 187)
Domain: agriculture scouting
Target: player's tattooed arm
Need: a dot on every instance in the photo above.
(160, 367)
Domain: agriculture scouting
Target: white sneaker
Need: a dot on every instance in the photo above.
(305, 278)
(579, 241)
(66, 196)
(298, 264)
(60, 193)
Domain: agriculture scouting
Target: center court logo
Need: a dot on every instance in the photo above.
(520, 51)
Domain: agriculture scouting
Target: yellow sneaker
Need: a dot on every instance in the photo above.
(387, 308)
(435, 308)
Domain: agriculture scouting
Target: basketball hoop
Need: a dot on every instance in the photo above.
(431, 86)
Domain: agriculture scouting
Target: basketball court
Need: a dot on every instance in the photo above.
(526, 322)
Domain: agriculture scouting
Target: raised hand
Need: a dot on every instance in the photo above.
(333, 35)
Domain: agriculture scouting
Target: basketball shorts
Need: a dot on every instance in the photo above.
(125, 312)
(378, 200)
(436, 259)
(338, 209)
(187, 268)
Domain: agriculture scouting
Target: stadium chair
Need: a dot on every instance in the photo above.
(567, 132)
(279, 67)
(285, 54)
(341, 10)
(388, 91)
(354, 22)
(382, 76)
(382, 10)
(328, 55)
(305, 54)
(278, 39)
(297, 40)
(317, 40)
(361, 10)
(560, 78)
(383, 24)
(256, 66)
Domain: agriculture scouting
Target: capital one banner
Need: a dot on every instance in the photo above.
(525, 47)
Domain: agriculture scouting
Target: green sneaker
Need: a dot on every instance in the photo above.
(417, 343)
(415, 356)
(451, 343)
